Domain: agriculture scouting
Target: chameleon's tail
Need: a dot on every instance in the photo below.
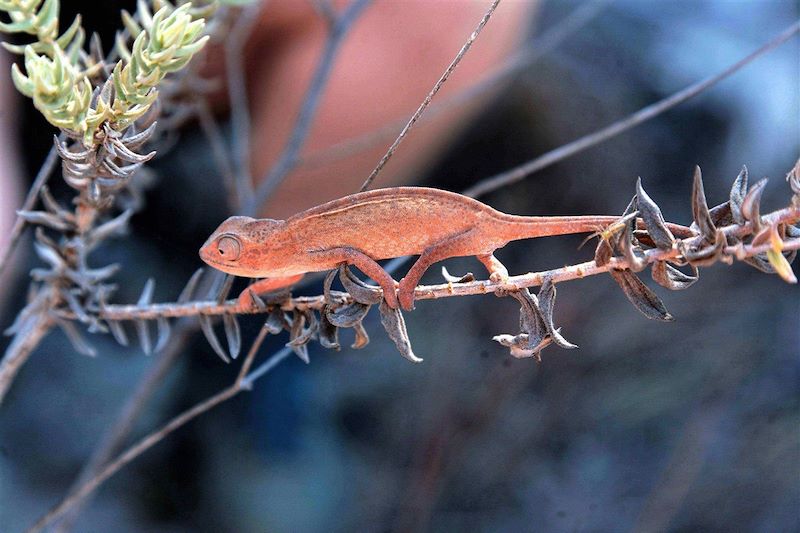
(547, 226)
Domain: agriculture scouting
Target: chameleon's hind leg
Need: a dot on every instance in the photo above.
(367, 265)
(455, 246)
(497, 271)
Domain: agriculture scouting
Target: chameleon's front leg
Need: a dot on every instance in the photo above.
(264, 286)
(367, 265)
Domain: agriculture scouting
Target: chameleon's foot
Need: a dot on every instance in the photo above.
(247, 300)
(405, 294)
(391, 298)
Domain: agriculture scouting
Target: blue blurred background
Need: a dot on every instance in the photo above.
(686, 426)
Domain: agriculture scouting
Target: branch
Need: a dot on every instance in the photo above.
(302, 127)
(518, 173)
(528, 55)
(21, 348)
(30, 201)
(154, 438)
(438, 85)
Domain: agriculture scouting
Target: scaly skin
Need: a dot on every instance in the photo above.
(381, 224)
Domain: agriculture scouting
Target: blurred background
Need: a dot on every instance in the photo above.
(685, 426)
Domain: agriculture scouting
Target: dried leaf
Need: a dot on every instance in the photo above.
(276, 321)
(347, 316)
(225, 289)
(781, 265)
(358, 289)
(118, 332)
(632, 253)
(76, 339)
(644, 299)
(395, 325)
(300, 336)
(115, 226)
(147, 293)
(707, 255)
(164, 333)
(211, 337)
(143, 332)
(188, 291)
(700, 212)
(547, 301)
(45, 219)
(738, 192)
(362, 338)
(670, 277)
(653, 219)
(469, 276)
(233, 333)
(751, 205)
(520, 345)
(328, 333)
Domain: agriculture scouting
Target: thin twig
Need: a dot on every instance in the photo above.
(238, 99)
(21, 349)
(644, 114)
(219, 153)
(529, 54)
(153, 438)
(30, 201)
(308, 110)
(421, 109)
(114, 438)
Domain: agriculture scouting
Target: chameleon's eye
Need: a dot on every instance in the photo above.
(229, 248)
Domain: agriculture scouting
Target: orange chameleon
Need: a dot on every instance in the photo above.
(381, 224)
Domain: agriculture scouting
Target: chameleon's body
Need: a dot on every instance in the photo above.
(380, 224)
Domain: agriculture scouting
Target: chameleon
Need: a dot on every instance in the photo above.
(366, 227)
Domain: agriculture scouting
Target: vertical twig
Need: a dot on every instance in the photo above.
(238, 99)
(290, 155)
(438, 85)
(147, 442)
(30, 201)
(21, 348)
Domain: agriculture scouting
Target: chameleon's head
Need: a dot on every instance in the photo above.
(241, 246)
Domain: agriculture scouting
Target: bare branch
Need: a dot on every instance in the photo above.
(643, 115)
(238, 99)
(308, 110)
(21, 348)
(47, 168)
(438, 85)
(144, 444)
(528, 55)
